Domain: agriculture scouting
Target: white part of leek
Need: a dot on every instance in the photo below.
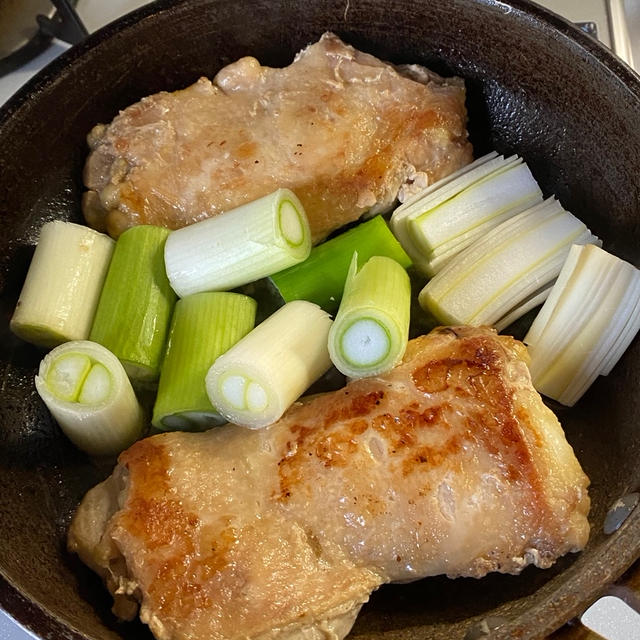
(531, 303)
(370, 333)
(541, 320)
(239, 246)
(439, 257)
(589, 319)
(441, 192)
(87, 391)
(572, 308)
(62, 288)
(409, 202)
(492, 277)
(531, 276)
(263, 374)
(480, 206)
(627, 334)
(579, 362)
(603, 333)
(365, 343)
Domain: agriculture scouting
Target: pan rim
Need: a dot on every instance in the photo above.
(571, 34)
(627, 538)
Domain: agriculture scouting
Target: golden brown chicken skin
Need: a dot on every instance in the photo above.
(345, 131)
(449, 464)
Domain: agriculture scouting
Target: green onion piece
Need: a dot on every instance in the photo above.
(86, 389)
(440, 193)
(257, 379)
(204, 326)
(586, 324)
(494, 276)
(451, 226)
(371, 330)
(320, 278)
(485, 200)
(415, 202)
(135, 307)
(60, 294)
(239, 246)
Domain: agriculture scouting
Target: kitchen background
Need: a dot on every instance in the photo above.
(615, 22)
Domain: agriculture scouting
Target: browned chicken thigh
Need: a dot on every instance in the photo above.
(449, 464)
(339, 127)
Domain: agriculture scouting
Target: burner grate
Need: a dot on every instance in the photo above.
(29, 27)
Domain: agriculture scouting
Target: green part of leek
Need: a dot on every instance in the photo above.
(587, 322)
(321, 277)
(257, 379)
(60, 294)
(371, 330)
(239, 246)
(86, 389)
(493, 277)
(204, 326)
(136, 304)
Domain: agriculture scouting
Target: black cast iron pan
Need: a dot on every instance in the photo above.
(536, 86)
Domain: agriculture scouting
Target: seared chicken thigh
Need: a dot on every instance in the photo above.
(449, 464)
(339, 127)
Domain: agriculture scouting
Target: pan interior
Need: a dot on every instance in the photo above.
(535, 87)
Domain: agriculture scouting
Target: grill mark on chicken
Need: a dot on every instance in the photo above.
(448, 464)
(150, 514)
(431, 456)
(168, 529)
(354, 407)
(479, 377)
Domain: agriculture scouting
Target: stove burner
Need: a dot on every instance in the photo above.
(29, 27)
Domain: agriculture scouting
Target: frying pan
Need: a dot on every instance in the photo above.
(536, 86)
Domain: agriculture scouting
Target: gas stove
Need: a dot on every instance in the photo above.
(27, 44)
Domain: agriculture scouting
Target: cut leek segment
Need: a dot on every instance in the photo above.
(409, 202)
(498, 274)
(550, 302)
(86, 389)
(451, 214)
(239, 246)
(588, 321)
(444, 189)
(627, 334)
(204, 326)
(257, 379)
(371, 330)
(136, 303)
(321, 277)
(472, 212)
(533, 301)
(60, 294)
(440, 192)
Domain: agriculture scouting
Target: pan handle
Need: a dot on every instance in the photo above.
(612, 618)
(65, 24)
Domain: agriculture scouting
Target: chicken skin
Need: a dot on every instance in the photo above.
(342, 129)
(449, 464)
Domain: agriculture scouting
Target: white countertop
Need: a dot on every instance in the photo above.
(11, 630)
